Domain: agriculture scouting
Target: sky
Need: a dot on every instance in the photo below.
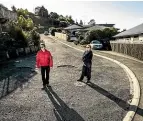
(124, 15)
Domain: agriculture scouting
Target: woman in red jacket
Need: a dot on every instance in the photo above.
(44, 61)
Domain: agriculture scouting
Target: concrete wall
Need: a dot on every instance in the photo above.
(61, 36)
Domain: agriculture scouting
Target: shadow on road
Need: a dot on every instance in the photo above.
(13, 79)
(123, 104)
(61, 110)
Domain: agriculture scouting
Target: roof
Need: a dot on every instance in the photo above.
(74, 26)
(96, 27)
(87, 26)
(107, 25)
(133, 31)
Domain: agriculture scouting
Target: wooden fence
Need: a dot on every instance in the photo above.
(134, 50)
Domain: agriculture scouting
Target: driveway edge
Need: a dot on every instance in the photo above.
(134, 84)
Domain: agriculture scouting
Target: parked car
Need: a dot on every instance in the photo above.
(72, 38)
(103, 44)
(106, 44)
(46, 33)
(96, 44)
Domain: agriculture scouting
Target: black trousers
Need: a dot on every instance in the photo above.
(45, 78)
(86, 71)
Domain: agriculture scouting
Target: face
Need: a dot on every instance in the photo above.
(88, 48)
(42, 47)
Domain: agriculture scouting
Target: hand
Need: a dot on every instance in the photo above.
(37, 70)
(84, 64)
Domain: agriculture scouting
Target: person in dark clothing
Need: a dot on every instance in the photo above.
(44, 61)
(87, 63)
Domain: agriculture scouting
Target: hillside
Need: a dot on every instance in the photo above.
(39, 20)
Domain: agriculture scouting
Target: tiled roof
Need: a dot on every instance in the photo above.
(133, 31)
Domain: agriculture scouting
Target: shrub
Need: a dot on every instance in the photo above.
(76, 42)
(80, 38)
(35, 37)
(92, 35)
(52, 30)
(83, 42)
(17, 33)
(6, 41)
(59, 30)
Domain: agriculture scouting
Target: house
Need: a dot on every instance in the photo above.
(73, 28)
(106, 25)
(84, 28)
(133, 35)
(96, 27)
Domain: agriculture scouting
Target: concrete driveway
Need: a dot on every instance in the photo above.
(67, 100)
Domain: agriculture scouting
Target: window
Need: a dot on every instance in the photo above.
(96, 42)
(136, 36)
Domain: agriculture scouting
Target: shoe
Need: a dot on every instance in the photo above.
(88, 82)
(47, 85)
(43, 88)
(79, 80)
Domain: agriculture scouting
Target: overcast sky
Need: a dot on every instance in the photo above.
(123, 14)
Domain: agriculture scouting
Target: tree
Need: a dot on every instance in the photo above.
(63, 24)
(22, 22)
(70, 20)
(107, 33)
(123, 30)
(14, 8)
(76, 22)
(41, 11)
(16, 32)
(54, 15)
(30, 24)
(81, 23)
(61, 18)
(92, 22)
(22, 12)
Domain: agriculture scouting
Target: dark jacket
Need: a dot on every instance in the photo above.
(87, 58)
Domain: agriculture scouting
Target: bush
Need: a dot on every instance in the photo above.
(35, 38)
(83, 42)
(17, 33)
(80, 38)
(93, 35)
(100, 34)
(52, 30)
(6, 41)
(59, 30)
(76, 42)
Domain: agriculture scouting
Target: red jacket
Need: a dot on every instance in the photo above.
(44, 59)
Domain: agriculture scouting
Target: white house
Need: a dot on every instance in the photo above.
(133, 35)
